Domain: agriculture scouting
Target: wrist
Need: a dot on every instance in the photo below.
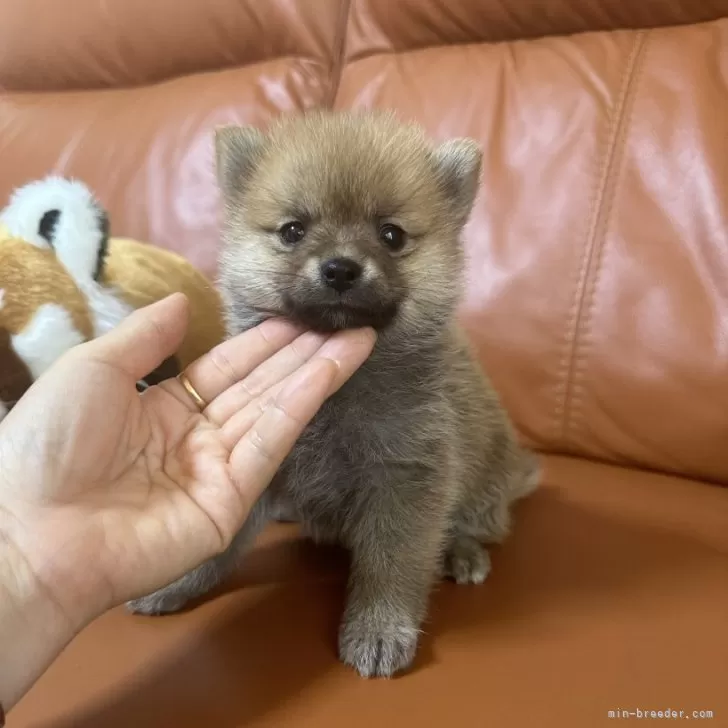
(34, 626)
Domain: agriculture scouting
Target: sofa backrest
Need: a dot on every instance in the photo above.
(597, 292)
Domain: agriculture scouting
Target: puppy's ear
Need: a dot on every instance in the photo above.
(458, 163)
(238, 150)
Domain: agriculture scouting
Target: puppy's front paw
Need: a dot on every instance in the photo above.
(466, 561)
(164, 601)
(377, 647)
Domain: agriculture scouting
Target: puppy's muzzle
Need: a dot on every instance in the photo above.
(341, 274)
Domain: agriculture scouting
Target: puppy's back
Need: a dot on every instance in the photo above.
(496, 469)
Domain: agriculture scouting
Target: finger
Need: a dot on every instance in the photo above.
(260, 452)
(265, 376)
(348, 349)
(142, 341)
(235, 358)
(257, 457)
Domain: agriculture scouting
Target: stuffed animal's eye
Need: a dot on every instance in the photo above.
(292, 232)
(393, 237)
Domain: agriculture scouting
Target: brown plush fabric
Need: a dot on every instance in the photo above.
(145, 273)
(31, 277)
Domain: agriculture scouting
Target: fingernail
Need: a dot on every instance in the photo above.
(364, 336)
(369, 334)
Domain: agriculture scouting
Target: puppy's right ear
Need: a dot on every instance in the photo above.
(459, 163)
(238, 150)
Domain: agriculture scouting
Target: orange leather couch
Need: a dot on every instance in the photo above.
(597, 298)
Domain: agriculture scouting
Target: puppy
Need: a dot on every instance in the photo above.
(351, 220)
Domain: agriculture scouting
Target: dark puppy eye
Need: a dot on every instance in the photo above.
(292, 232)
(393, 237)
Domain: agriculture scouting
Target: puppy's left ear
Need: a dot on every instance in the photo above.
(459, 163)
(238, 149)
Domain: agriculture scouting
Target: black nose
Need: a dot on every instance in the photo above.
(340, 273)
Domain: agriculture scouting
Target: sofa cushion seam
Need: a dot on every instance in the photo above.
(339, 60)
(585, 338)
(475, 42)
(575, 321)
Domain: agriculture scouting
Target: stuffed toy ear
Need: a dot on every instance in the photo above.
(62, 214)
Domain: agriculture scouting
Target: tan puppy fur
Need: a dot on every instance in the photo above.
(347, 220)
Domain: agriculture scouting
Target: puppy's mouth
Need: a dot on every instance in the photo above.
(330, 316)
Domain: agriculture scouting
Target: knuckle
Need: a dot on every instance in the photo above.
(262, 331)
(281, 408)
(300, 357)
(246, 390)
(263, 404)
(222, 363)
(258, 442)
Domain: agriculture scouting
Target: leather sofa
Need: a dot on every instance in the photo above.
(597, 298)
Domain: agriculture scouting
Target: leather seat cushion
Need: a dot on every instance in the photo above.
(611, 594)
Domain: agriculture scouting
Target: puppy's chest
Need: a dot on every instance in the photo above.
(339, 449)
(369, 426)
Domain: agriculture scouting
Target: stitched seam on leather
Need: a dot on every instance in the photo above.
(585, 338)
(580, 315)
(337, 67)
(564, 371)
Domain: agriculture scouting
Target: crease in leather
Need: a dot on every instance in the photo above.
(7, 97)
(498, 34)
(339, 55)
(578, 323)
(584, 339)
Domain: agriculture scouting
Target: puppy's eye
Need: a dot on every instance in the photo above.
(393, 237)
(292, 232)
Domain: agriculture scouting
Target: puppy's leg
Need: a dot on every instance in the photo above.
(466, 560)
(284, 511)
(205, 577)
(396, 549)
(485, 516)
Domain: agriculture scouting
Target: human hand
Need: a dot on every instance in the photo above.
(107, 495)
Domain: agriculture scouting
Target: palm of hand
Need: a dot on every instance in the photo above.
(136, 479)
(141, 489)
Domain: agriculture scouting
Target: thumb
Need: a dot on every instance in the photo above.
(140, 343)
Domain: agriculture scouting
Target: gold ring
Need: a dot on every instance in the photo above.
(185, 382)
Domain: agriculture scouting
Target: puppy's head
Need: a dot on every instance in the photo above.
(344, 220)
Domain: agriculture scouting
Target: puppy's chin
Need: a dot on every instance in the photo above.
(327, 316)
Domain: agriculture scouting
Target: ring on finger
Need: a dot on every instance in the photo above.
(183, 379)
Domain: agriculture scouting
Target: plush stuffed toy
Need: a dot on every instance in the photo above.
(64, 281)
(42, 314)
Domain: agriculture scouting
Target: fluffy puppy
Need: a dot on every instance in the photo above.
(351, 220)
